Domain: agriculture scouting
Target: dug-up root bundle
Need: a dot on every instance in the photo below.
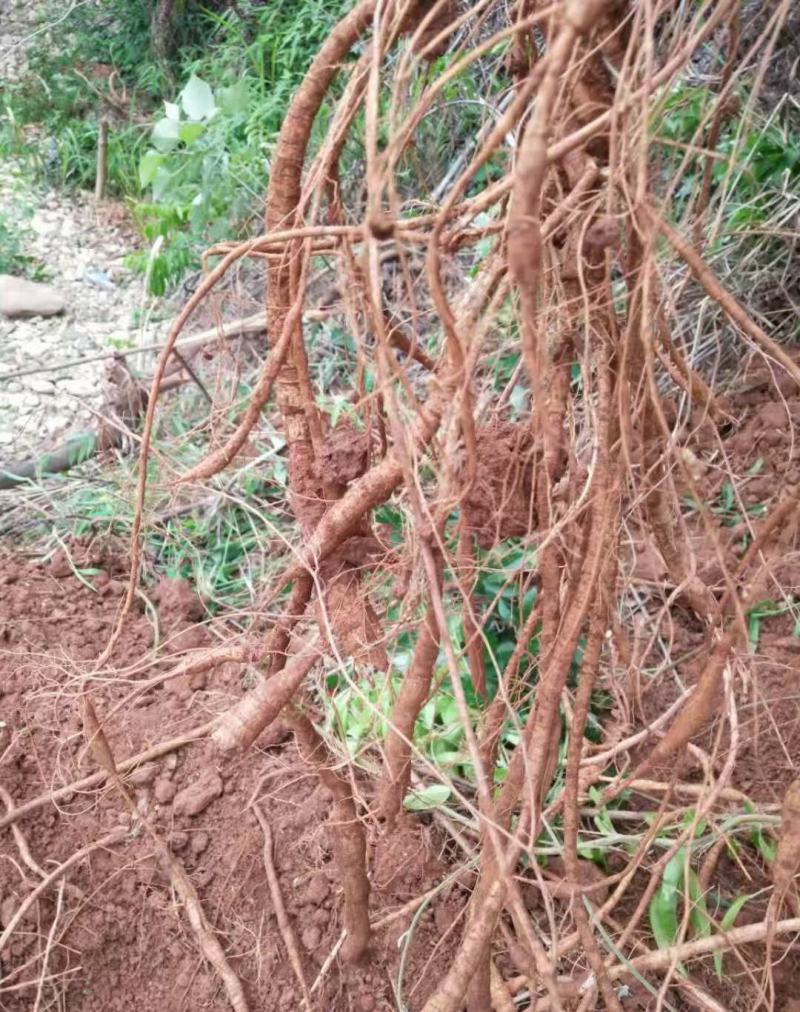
(476, 528)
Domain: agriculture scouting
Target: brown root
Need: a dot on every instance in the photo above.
(347, 836)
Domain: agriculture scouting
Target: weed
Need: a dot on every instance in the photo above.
(727, 506)
(13, 259)
(770, 609)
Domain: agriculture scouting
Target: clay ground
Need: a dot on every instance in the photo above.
(114, 936)
(119, 942)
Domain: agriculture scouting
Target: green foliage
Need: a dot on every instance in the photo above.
(755, 177)
(679, 884)
(54, 95)
(205, 168)
(769, 609)
(759, 159)
(199, 156)
(663, 908)
(202, 165)
(498, 594)
(13, 259)
(727, 922)
(726, 507)
(426, 798)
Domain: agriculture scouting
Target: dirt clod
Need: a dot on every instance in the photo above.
(499, 502)
(164, 791)
(196, 798)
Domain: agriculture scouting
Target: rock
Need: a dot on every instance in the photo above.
(36, 347)
(198, 796)
(78, 387)
(7, 910)
(202, 876)
(41, 386)
(44, 224)
(20, 298)
(199, 843)
(311, 937)
(60, 565)
(318, 889)
(144, 775)
(164, 791)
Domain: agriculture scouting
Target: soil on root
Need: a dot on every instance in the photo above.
(760, 449)
(763, 453)
(120, 941)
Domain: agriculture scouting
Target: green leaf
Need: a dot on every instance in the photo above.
(423, 800)
(663, 909)
(698, 915)
(726, 924)
(754, 629)
(162, 183)
(445, 756)
(764, 846)
(234, 99)
(148, 166)
(197, 99)
(171, 111)
(189, 132)
(81, 447)
(165, 135)
(663, 914)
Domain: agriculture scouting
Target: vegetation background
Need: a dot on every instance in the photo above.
(194, 97)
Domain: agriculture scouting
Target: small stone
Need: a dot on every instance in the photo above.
(7, 909)
(143, 775)
(311, 937)
(60, 565)
(20, 298)
(178, 840)
(202, 876)
(199, 843)
(198, 796)
(35, 347)
(78, 387)
(43, 224)
(318, 889)
(197, 680)
(164, 791)
(178, 687)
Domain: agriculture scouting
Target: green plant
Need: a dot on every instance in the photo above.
(206, 167)
(727, 506)
(194, 148)
(204, 164)
(769, 609)
(758, 158)
(679, 885)
(13, 259)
